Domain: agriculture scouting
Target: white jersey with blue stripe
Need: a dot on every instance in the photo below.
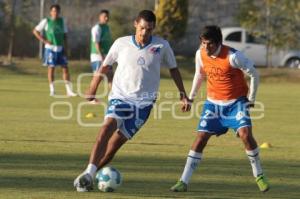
(136, 79)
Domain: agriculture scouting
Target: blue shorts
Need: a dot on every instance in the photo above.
(95, 65)
(129, 117)
(53, 59)
(217, 119)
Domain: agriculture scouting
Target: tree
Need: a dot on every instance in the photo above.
(278, 20)
(1, 14)
(12, 31)
(122, 14)
(16, 28)
(120, 21)
(172, 18)
(42, 8)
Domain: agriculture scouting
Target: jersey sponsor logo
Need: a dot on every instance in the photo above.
(141, 61)
(155, 50)
(216, 73)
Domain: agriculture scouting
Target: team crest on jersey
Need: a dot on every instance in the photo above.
(141, 61)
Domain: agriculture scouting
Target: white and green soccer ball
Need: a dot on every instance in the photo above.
(108, 179)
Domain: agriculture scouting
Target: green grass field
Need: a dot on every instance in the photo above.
(41, 156)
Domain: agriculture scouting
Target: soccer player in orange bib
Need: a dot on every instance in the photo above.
(227, 103)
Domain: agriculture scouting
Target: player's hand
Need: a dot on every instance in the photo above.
(89, 96)
(45, 41)
(186, 104)
(91, 91)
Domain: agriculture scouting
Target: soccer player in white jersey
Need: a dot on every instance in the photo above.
(227, 102)
(133, 93)
(52, 31)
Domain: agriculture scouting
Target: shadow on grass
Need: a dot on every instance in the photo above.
(14, 68)
(78, 142)
(147, 176)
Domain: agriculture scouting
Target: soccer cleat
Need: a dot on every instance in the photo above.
(84, 182)
(71, 94)
(262, 183)
(180, 186)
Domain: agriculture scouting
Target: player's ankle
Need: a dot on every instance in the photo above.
(91, 169)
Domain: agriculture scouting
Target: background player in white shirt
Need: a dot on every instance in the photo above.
(133, 93)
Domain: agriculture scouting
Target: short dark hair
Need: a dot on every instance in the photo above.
(147, 15)
(56, 6)
(212, 33)
(104, 11)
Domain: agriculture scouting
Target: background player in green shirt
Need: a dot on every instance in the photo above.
(52, 31)
(101, 41)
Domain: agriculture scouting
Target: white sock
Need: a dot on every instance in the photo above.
(51, 86)
(255, 162)
(69, 87)
(191, 164)
(91, 169)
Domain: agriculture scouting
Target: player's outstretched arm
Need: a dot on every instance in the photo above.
(240, 61)
(97, 78)
(175, 74)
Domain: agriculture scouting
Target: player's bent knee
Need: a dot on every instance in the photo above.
(245, 133)
(200, 141)
(202, 136)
